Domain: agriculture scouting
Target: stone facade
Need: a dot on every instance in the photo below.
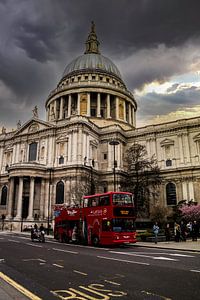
(91, 106)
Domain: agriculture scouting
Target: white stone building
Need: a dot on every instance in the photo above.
(42, 161)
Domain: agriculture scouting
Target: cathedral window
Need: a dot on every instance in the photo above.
(168, 163)
(42, 152)
(32, 152)
(60, 192)
(61, 160)
(171, 193)
(4, 193)
(105, 156)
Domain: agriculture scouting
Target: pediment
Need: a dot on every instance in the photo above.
(62, 138)
(166, 142)
(196, 137)
(33, 126)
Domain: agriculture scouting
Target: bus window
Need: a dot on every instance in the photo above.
(122, 199)
(123, 225)
(85, 202)
(95, 201)
(104, 201)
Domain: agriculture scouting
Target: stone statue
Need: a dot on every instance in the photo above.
(35, 112)
(3, 130)
(19, 124)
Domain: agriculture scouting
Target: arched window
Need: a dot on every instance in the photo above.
(171, 193)
(60, 192)
(61, 160)
(4, 193)
(32, 151)
(168, 163)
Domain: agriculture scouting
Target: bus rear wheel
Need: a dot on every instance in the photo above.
(95, 241)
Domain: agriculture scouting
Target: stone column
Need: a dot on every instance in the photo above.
(191, 190)
(184, 190)
(98, 105)
(187, 148)
(42, 198)
(125, 110)
(13, 154)
(88, 104)
(129, 113)
(19, 200)
(78, 104)
(74, 146)
(61, 108)
(10, 198)
(108, 106)
(69, 105)
(55, 109)
(70, 147)
(117, 107)
(47, 199)
(133, 114)
(180, 142)
(31, 199)
(1, 157)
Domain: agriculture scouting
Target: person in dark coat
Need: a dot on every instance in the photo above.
(195, 231)
(167, 232)
(183, 231)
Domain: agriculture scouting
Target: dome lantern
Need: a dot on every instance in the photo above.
(92, 43)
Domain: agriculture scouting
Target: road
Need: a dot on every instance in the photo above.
(66, 271)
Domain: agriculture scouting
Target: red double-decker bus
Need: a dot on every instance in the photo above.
(102, 219)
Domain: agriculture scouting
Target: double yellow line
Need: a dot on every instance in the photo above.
(18, 287)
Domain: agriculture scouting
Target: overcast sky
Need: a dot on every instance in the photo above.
(154, 43)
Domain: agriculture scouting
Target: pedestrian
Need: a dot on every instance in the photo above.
(177, 232)
(189, 229)
(183, 231)
(156, 231)
(195, 230)
(167, 232)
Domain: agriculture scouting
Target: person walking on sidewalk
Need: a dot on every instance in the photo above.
(156, 231)
(177, 232)
(195, 230)
(167, 232)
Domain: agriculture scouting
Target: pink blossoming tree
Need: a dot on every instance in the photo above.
(190, 213)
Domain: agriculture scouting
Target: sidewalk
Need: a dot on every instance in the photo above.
(183, 246)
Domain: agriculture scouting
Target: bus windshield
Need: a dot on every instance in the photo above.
(123, 225)
(122, 199)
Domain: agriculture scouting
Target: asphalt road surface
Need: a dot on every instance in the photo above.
(53, 270)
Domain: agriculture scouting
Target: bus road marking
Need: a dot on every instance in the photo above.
(146, 256)
(84, 274)
(19, 287)
(123, 260)
(14, 241)
(152, 294)
(33, 245)
(59, 266)
(66, 251)
(112, 282)
(196, 271)
(29, 259)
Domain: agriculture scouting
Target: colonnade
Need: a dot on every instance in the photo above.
(18, 197)
(106, 106)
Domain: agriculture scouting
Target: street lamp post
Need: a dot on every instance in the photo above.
(50, 182)
(114, 143)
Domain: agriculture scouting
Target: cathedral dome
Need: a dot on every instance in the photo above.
(92, 60)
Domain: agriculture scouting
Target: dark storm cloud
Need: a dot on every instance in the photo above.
(159, 104)
(38, 39)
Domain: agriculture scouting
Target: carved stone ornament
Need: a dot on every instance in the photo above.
(33, 128)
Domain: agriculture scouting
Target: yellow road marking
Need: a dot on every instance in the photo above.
(85, 274)
(19, 287)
